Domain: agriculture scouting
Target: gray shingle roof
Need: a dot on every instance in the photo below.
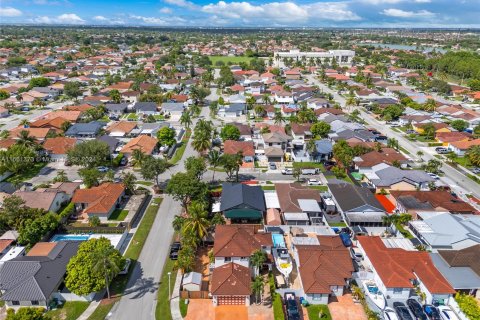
(145, 106)
(236, 194)
(392, 175)
(30, 278)
(354, 198)
(90, 128)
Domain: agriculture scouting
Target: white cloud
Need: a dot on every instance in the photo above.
(69, 18)
(375, 2)
(281, 12)
(182, 3)
(43, 20)
(100, 18)
(398, 13)
(159, 21)
(10, 12)
(166, 10)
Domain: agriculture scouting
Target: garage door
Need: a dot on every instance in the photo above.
(231, 300)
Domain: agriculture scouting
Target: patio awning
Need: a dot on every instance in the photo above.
(243, 214)
(357, 176)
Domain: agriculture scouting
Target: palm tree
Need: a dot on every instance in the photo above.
(25, 139)
(24, 123)
(257, 259)
(214, 159)
(138, 156)
(201, 142)
(186, 258)
(350, 101)
(177, 223)
(186, 120)
(266, 98)
(109, 262)
(311, 148)
(420, 154)
(451, 156)
(278, 118)
(197, 220)
(257, 287)
(259, 110)
(65, 126)
(392, 143)
(61, 176)
(473, 155)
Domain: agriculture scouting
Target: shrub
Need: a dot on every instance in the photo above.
(68, 210)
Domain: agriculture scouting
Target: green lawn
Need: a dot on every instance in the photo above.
(305, 165)
(101, 312)
(337, 224)
(278, 308)
(145, 183)
(132, 116)
(27, 175)
(159, 117)
(464, 162)
(227, 59)
(268, 187)
(118, 215)
(162, 311)
(346, 179)
(314, 312)
(69, 311)
(319, 188)
(179, 153)
(183, 308)
(403, 150)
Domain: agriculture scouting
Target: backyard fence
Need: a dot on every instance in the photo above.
(194, 294)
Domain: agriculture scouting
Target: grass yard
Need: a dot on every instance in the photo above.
(337, 224)
(183, 308)
(308, 165)
(162, 311)
(27, 175)
(314, 312)
(145, 183)
(464, 162)
(71, 310)
(403, 150)
(278, 308)
(319, 188)
(181, 150)
(229, 59)
(118, 215)
(268, 187)
(102, 311)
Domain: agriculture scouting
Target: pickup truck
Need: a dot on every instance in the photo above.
(291, 306)
(310, 171)
(287, 171)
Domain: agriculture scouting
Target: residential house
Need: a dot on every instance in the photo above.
(173, 109)
(121, 128)
(246, 148)
(99, 201)
(325, 268)
(113, 144)
(144, 143)
(36, 279)
(299, 205)
(284, 97)
(367, 161)
(413, 202)
(58, 147)
(460, 147)
(323, 150)
(245, 131)
(448, 137)
(438, 230)
(85, 130)
(439, 127)
(241, 203)
(398, 272)
(300, 133)
(46, 199)
(116, 109)
(55, 124)
(146, 108)
(357, 205)
(231, 285)
(232, 110)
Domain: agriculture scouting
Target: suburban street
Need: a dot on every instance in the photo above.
(453, 177)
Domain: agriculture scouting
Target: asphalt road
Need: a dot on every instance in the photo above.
(453, 177)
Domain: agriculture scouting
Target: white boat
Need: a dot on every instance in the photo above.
(389, 314)
(372, 291)
(283, 262)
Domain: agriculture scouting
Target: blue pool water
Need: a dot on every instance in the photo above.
(278, 241)
(69, 237)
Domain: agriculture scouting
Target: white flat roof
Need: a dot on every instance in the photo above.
(309, 205)
(271, 199)
(216, 207)
(305, 241)
(12, 253)
(296, 216)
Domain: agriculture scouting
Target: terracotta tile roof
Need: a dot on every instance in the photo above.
(59, 145)
(387, 155)
(101, 199)
(290, 193)
(81, 108)
(387, 205)
(41, 249)
(233, 147)
(333, 111)
(239, 240)
(244, 129)
(440, 200)
(5, 243)
(325, 265)
(452, 136)
(464, 145)
(71, 116)
(300, 128)
(396, 267)
(7, 143)
(468, 257)
(122, 126)
(145, 143)
(53, 123)
(231, 279)
(37, 133)
(436, 125)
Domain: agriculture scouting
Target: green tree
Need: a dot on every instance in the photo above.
(257, 287)
(4, 94)
(25, 139)
(90, 176)
(96, 263)
(199, 93)
(196, 166)
(196, 221)
(186, 120)
(61, 176)
(343, 153)
(186, 259)
(138, 156)
(278, 118)
(166, 136)
(94, 221)
(257, 259)
(39, 82)
(27, 314)
(459, 125)
(16, 159)
(296, 172)
(476, 131)
(230, 132)
(129, 180)
(320, 129)
(433, 166)
(115, 95)
(72, 89)
(185, 188)
(473, 155)
(231, 163)
(202, 141)
(214, 159)
(32, 231)
(89, 154)
(152, 167)
(429, 131)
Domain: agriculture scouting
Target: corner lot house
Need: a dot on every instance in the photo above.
(34, 280)
(100, 201)
(397, 271)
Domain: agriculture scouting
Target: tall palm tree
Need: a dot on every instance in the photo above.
(257, 259)
(266, 98)
(138, 156)
(311, 148)
(201, 142)
(108, 262)
(257, 287)
(177, 223)
(278, 118)
(186, 120)
(214, 159)
(25, 139)
(197, 220)
(25, 123)
(350, 102)
(473, 155)
(259, 110)
(420, 154)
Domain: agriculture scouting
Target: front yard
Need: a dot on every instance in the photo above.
(70, 310)
(319, 311)
(118, 215)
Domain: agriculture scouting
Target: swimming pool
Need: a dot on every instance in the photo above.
(278, 241)
(69, 237)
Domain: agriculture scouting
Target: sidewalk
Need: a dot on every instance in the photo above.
(92, 306)
(175, 300)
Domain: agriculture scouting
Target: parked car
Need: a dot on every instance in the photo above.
(347, 242)
(174, 255)
(476, 170)
(402, 311)
(272, 166)
(441, 150)
(128, 262)
(310, 171)
(176, 246)
(433, 175)
(432, 312)
(102, 169)
(447, 314)
(291, 306)
(314, 182)
(416, 308)
(389, 314)
(356, 254)
(287, 171)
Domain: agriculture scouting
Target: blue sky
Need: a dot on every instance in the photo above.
(254, 13)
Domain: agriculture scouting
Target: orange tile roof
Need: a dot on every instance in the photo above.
(387, 205)
(145, 143)
(54, 123)
(5, 243)
(239, 240)
(464, 145)
(101, 199)
(71, 116)
(233, 147)
(396, 267)
(59, 145)
(41, 249)
(231, 279)
(121, 126)
(37, 133)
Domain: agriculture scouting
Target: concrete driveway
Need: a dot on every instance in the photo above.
(200, 309)
(203, 309)
(343, 308)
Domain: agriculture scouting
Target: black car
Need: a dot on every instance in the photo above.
(416, 309)
(432, 312)
(176, 246)
(402, 311)
(174, 255)
(291, 306)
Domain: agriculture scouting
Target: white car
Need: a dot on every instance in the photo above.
(313, 182)
(447, 314)
(433, 175)
(389, 314)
